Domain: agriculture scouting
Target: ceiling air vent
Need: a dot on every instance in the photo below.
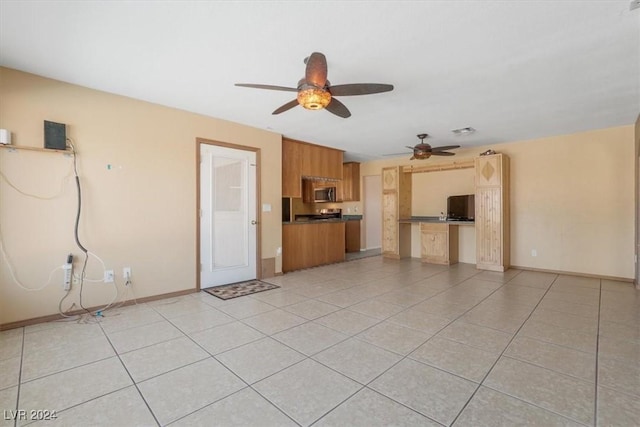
(463, 131)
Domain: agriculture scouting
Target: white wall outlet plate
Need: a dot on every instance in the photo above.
(108, 276)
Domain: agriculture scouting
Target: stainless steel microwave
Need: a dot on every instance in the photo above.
(324, 194)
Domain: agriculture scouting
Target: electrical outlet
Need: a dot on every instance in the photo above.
(534, 252)
(126, 273)
(108, 276)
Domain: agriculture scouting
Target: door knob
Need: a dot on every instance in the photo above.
(254, 222)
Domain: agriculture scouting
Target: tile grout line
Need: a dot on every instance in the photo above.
(183, 333)
(212, 356)
(595, 397)
(307, 357)
(404, 357)
(480, 384)
(536, 406)
(72, 368)
(15, 421)
(130, 377)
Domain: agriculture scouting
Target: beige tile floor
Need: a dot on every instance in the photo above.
(362, 343)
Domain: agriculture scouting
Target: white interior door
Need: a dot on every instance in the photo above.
(227, 215)
(372, 186)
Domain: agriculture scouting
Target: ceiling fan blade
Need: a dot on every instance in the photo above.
(270, 87)
(445, 147)
(395, 154)
(289, 105)
(410, 148)
(336, 107)
(359, 89)
(316, 72)
(442, 153)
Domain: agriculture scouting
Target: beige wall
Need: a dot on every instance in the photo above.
(572, 200)
(140, 213)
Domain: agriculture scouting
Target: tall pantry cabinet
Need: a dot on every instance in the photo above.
(492, 212)
(396, 204)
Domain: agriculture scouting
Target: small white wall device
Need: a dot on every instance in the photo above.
(68, 272)
(5, 136)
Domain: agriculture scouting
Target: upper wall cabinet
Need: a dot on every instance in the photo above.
(291, 168)
(300, 159)
(351, 182)
(321, 162)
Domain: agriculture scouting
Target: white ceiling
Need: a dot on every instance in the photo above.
(514, 70)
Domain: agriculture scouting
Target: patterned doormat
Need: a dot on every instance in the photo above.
(236, 290)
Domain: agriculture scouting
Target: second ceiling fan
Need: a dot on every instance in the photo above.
(422, 150)
(315, 92)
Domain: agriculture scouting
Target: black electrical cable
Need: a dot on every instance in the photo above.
(78, 215)
(82, 248)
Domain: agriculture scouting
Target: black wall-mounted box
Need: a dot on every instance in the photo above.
(55, 135)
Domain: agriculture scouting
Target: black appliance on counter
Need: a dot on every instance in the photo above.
(461, 208)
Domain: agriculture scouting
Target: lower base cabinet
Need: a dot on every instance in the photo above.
(352, 236)
(306, 245)
(439, 243)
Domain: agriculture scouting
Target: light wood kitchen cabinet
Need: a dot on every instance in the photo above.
(350, 182)
(291, 168)
(352, 236)
(396, 204)
(306, 245)
(492, 213)
(439, 243)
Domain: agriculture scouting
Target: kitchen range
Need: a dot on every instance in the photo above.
(322, 215)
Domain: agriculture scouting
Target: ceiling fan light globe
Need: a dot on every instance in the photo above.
(314, 98)
(421, 155)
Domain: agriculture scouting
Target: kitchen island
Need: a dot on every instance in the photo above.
(312, 243)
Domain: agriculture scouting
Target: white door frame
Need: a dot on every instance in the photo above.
(202, 141)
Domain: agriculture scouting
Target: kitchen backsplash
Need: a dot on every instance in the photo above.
(298, 207)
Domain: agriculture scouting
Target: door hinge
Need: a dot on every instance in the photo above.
(200, 267)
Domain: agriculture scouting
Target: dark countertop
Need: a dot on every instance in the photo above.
(435, 219)
(313, 221)
(352, 217)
